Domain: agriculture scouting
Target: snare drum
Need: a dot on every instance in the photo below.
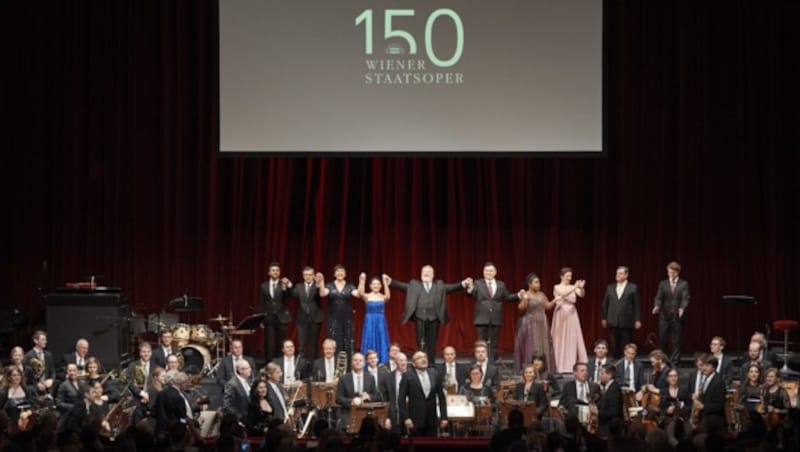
(181, 333)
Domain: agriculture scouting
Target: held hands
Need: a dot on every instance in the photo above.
(386, 279)
(320, 279)
(285, 282)
(604, 323)
(637, 325)
(362, 277)
(680, 313)
(409, 424)
(655, 310)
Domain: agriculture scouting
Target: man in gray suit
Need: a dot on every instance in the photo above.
(426, 303)
(672, 298)
(489, 295)
(621, 310)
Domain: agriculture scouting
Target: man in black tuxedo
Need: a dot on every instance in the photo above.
(236, 395)
(419, 391)
(672, 298)
(355, 387)
(390, 388)
(172, 405)
(324, 369)
(451, 372)
(77, 357)
(271, 295)
(276, 396)
(426, 304)
(45, 383)
(309, 314)
(609, 407)
(629, 372)
(599, 360)
(489, 295)
(293, 367)
(621, 310)
(710, 397)
(575, 395)
(375, 371)
(491, 376)
(164, 348)
(724, 362)
(77, 417)
(227, 367)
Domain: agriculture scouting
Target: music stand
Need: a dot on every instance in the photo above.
(248, 325)
(739, 300)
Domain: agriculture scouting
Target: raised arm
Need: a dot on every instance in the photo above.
(359, 292)
(395, 284)
(580, 288)
(323, 291)
(387, 294)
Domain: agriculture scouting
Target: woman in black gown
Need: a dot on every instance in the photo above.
(259, 412)
(340, 309)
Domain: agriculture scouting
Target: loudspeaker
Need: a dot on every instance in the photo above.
(101, 318)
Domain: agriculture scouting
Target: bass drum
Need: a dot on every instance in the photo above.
(194, 358)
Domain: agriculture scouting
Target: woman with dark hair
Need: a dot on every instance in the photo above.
(533, 332)
(16, 398)
(375, 334)
(566, 331)
(543, 375)
(475, 388)
(340, 308)
(259, 411)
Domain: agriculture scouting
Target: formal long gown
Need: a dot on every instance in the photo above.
(567, 335)
(533, 335)
(340, 317)
(375, 335)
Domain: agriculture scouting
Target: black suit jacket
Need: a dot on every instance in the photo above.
(420, 409)
(415, 288)
(592, 364)
(309, 310)
(66, 359)
(226, 371)
(274, 306)
(159, 357)
(624, 311)
(714, 397)
(345, 391)
(726, 369)
(132, 386)
(668, 302)
(169, 407)
(491, 378)
(273, 398)
(610, 404)
(489, 310)
(234, 398)
(318, 369)
(536, 394)
(74, 419)
(300, 368)
(763, 365)
(67, 396)
(638, 374)
(569, 396)
(462, 374)
(390, 391)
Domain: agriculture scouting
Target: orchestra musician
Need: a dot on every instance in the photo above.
(490, 374)
(419, 392)
(658, 375)
(529, 390)
(609, 407)
(451, 372)
(675, 398)
(172, 405)
(259, 411)
(630, 373)
(293, 367)
(77, 357)
(227, 367)
(599, 360)
(164, 348)
(725, 362)
(355, 387)
(145, 408)
(139, 372)
(324, 368)
(750, 393)
(68, 391)
(709, 397)
(236, 395)
(754, 357)
(16, 395)
(276, 396)
(391, 389)
(576, 395)
(544, 376)
(476, 387)
(377, 373)
(45, 382)
(774, 405)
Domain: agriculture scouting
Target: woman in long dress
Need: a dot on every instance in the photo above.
(567, 335)
(533, 334)
(340, 308)
(375, 335)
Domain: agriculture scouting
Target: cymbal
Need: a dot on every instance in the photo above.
(219, 319)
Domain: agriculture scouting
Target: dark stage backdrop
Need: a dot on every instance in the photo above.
(110, 168)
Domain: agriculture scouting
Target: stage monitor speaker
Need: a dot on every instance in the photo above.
(101, 318)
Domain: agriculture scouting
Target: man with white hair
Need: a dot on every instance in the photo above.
(77, 357)
(237, 391)
(172, 404)
(391, 388)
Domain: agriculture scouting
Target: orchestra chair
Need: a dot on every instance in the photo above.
(786, 326)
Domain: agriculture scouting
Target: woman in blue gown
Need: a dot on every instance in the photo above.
(375, 335)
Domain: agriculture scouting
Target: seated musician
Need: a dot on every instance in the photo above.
(355, 387)
(324, 369)
(609, 407)
(530, 391)
(675, 399)
(476, 386)
(658, 375)
(754, 356)
(451, 372)
(259, 411)
(750, 393)
(173, 363)
(293, 367)
(543, 375)
(99, 406)
(630, 373)
(775, 405)
(575, 395)
(93, 375)
(710, 395)
(16, 394)
(164, 348)
(599, 360)
(724, 362)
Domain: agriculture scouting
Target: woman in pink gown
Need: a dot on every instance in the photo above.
(533, 337)
(566, 332)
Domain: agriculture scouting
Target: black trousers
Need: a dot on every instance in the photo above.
(308, 340)
(428, 332)
(619, 337)
(489, 333)
(669, 329)
(274, 335)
